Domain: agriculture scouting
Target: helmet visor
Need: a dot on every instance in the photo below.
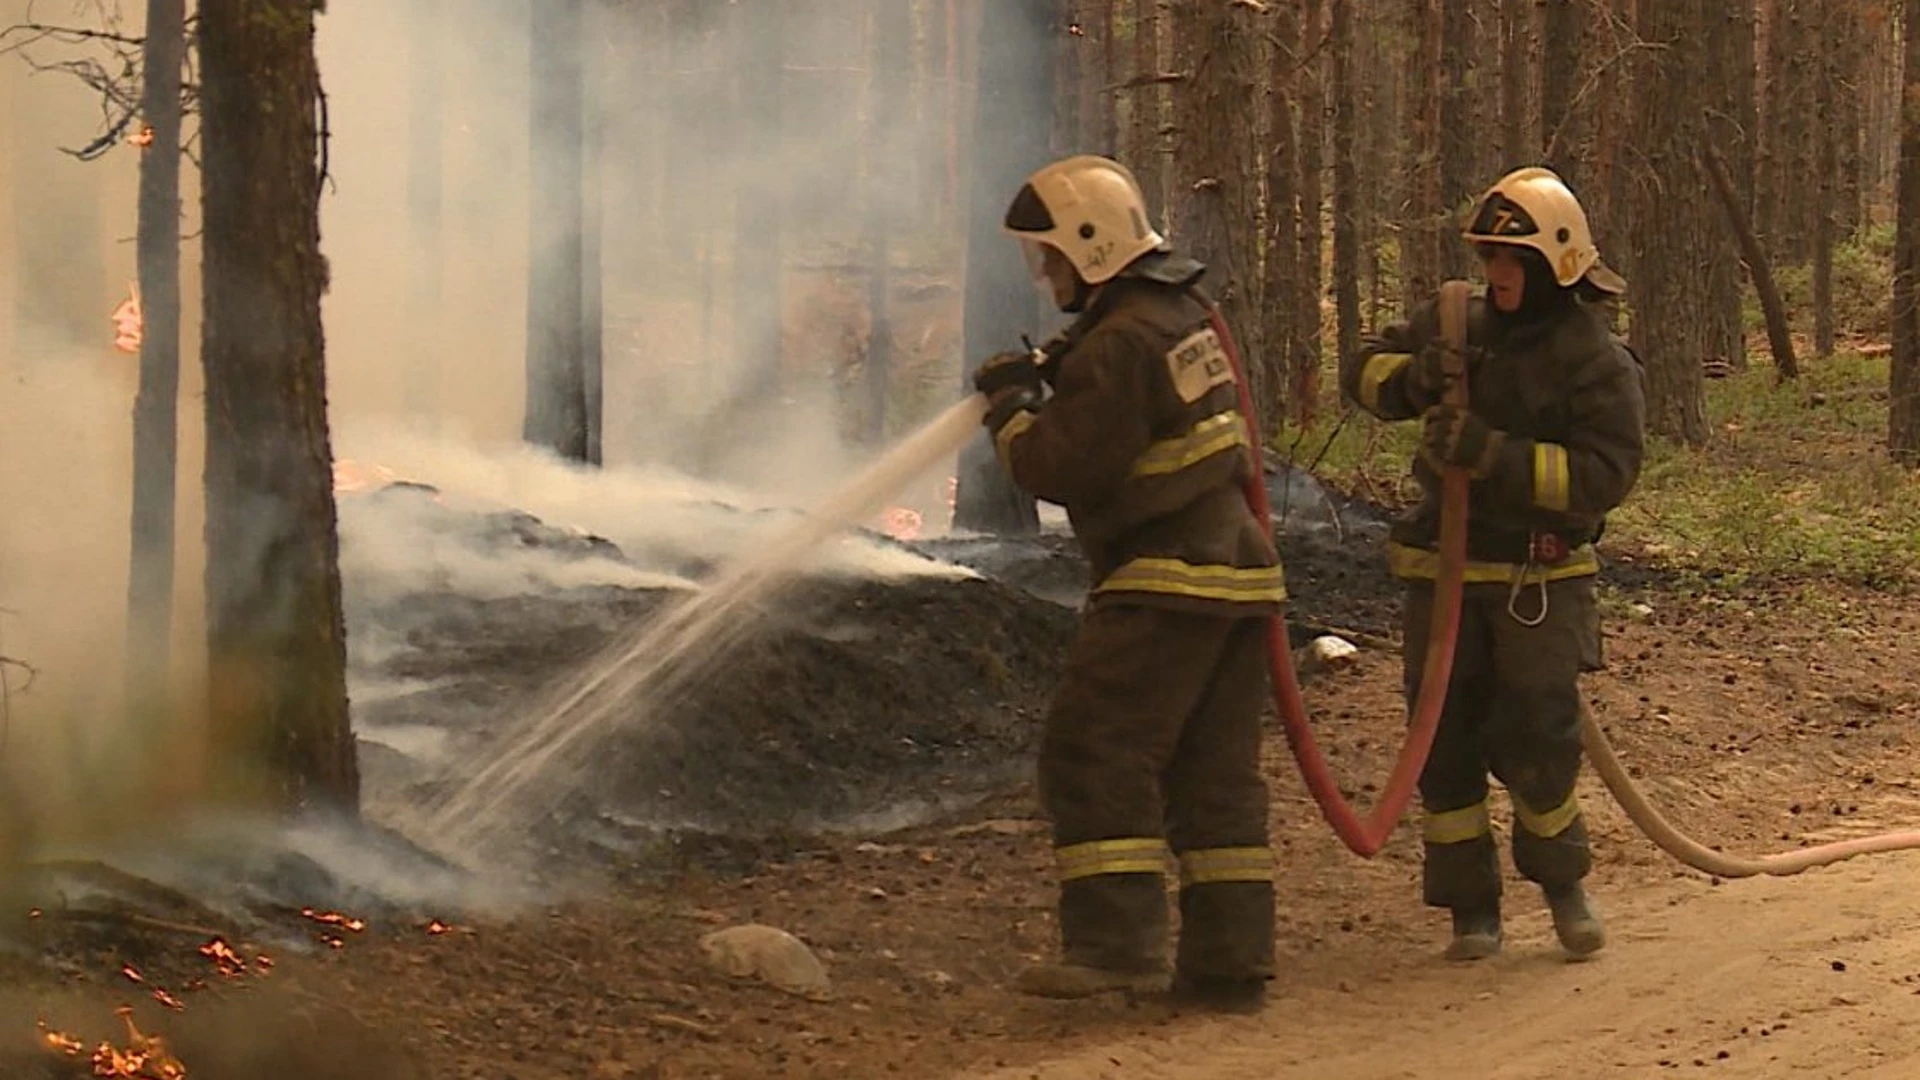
(1035, 254)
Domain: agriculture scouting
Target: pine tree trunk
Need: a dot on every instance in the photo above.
(1560, 75)
(889, 81)
(1303, 388)
(156, 408)
(1459, 135)
(592, 224)
(1280, 272)
(1011, 127)
(1671, 234)
(1903, 377)
(1420, 234)
(759, 243)
(1215, 164)
(556, 404)
(1516, 71)
(1719, 74)
(1346, 183)
(276, 639)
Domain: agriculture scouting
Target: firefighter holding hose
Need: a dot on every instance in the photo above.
(1553, 441)
(1151, 745)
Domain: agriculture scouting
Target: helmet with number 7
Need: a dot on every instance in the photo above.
(1534, 208)
(1089, 209)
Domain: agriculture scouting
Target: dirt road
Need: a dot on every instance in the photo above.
(1816, 976)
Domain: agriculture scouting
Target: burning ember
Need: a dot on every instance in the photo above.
(230, 963)
(436, 928)
(144, 1057)
(334, 918)
(126, 321)
(900, 523)
(132, 973)
(142, 138)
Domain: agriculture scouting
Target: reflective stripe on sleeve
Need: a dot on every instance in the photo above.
(1378, 369)
(1221, 431)
(1552, 480)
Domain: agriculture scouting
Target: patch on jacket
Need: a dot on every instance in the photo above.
(1198, 364)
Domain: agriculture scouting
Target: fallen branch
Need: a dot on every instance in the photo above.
(681, 1023)
(1778, 336)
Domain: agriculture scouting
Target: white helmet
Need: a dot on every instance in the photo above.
(1090, 210)
(1534, 208)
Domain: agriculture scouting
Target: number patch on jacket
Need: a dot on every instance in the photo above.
(1198, 364)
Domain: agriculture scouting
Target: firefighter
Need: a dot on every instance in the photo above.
(1151, 745)
(1552, 441)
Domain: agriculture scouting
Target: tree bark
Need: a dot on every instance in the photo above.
(278, 721)
(1668, 291)
(1281, 274)
(1346, 184)
(1779, 338)
(759, 243)
(1218, 184)
(1459, 136)
(1420, 232)
(556, 405)
(1516, 61)
(1303, 389)
(1012, 124)
(1903, 374)
(1561, 70)
(1144, 142)
(156, 422)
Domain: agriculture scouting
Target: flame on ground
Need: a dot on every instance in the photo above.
(436, 928)
(144, 1057)
(230, 963)
(334, 918)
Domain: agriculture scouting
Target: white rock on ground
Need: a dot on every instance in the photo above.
(771, 955)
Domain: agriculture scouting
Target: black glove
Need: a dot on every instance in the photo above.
(1458, 438)
(1007, 371)
(1426, 382)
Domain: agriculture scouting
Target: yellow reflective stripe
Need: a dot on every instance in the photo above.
(1258, 584)
(1552, 479)
(1457, 826)
(1550, 824)
(1379, 368)
(1221, 431)
(1211, 866)
(1419, 564)
(1011, 430)
(1127, 855)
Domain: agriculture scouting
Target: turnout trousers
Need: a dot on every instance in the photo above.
(1152, 746)
(1512, 709)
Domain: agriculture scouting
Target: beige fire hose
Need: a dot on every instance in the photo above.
(1697, 855)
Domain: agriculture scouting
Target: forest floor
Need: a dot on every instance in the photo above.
(1763, 682)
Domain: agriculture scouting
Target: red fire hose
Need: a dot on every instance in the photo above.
(1367, 836)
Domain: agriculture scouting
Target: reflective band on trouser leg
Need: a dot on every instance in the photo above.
(1379, 368)
(1127, 855)
(1212, 866)
(1217, 433)
(1172, 577)
(1457, 826)
(1550, 824)
(1552, 478)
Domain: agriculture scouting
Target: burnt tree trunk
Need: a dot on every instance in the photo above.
(1903, 372)
(556, 405)
(1012, 125)
(1217, 186)
(1671, 233)
(1779, 337)
(1144, 140)
(156, 430)
(277, 644)
(1346, 183)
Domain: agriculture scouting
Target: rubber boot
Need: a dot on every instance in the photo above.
(1242, 996)
(1067, 981)
(1476, 933)
(1575, 921)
